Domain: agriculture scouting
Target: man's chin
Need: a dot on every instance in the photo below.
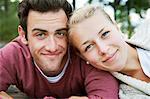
(53, 72)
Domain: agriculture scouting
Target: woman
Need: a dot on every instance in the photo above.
(100, 42)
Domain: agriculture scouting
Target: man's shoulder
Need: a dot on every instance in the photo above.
(14, 45)
(14, 48)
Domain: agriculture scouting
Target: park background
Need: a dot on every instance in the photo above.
(128, 14)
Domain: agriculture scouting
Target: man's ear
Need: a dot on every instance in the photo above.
(22, 35)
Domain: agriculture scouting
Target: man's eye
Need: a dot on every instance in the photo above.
(88, 47)
(40, 35)
(61, 33)
(105, 34)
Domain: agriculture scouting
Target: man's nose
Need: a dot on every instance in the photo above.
(51, 44)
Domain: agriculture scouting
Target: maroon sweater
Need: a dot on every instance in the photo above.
(80, 79)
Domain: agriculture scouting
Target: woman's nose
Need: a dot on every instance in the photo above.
(102, 47)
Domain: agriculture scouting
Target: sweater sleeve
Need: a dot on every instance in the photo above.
(100, 84)
(7, 71)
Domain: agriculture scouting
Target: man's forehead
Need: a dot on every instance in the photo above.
(49, 15)
(49, 19)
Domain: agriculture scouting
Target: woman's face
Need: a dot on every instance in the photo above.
(100, 42)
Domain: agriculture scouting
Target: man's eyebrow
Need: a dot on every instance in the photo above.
(62, 29)
(38, 29)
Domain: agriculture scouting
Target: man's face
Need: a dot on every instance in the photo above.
(100, 42)
(47, 40)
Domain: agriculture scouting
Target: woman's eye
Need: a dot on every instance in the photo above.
(105, 34)
(88, 47)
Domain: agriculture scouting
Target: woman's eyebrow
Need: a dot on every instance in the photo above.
(101, 31)
(88, 40)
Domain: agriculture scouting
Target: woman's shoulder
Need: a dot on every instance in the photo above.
(141, 36)
(133, 82)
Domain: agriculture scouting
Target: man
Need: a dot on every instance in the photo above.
(40, 63)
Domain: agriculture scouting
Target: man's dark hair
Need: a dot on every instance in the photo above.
(42, 6)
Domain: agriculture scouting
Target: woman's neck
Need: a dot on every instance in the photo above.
(133, 66)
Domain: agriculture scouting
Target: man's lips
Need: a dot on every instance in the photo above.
(52, 54)
(110, 57)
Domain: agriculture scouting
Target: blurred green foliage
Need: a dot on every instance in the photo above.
(122, 9)
(8, 20)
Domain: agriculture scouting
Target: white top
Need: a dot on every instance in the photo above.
(144, 57)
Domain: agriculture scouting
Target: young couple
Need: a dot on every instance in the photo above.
(40, 62)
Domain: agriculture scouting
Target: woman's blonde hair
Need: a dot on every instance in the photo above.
(85, 12)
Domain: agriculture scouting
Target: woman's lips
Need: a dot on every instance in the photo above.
(110, 57)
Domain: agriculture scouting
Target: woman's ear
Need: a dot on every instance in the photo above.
(79, 54)
(22, 35)
(87, 62)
